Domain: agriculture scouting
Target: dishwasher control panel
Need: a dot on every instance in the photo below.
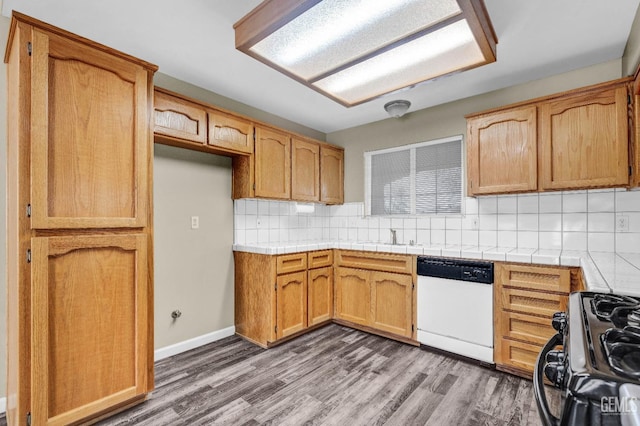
(456, 269)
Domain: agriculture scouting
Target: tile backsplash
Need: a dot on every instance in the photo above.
(605, 220)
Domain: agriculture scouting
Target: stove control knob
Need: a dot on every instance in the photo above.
(559, 322)
(555, 357)
(555, 373)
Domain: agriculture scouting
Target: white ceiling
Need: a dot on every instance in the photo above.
(193, 40)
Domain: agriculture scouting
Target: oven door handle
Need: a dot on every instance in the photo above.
(547, 418)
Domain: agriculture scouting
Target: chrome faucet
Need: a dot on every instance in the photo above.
(394, 239)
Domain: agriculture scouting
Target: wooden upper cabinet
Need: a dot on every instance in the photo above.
(272, 164)
(89, 325)
(179, 118)
(230, 132)
(89, 135)
(331, 175)
(584, 140)
(305, 170)
(502, 152)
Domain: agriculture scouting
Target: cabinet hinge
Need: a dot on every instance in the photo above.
(413, 286)
(412, 326)
(29, 48)
(275, 328)
(28, 210)
(275, 286)
(28, 255)
(29, 418)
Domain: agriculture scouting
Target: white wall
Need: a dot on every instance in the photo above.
(193, 267)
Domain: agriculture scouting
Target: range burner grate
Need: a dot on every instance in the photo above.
(622, 348)
(617, 309)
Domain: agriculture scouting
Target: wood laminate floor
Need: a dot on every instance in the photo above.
(331, 376)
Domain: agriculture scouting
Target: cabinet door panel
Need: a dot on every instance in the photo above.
(331, 175)
(179, 118)
(353, 296)
(305, 170)
(273, 164)
(584, 140)
(291, 304)
(391, 302)
(229, 132)
(320, 295)
(502, 152)
(89, 297)
(90, 137)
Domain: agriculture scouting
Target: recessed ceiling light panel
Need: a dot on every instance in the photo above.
(356, 50)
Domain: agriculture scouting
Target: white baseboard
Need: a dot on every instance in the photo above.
(3, 405)
(187, 345)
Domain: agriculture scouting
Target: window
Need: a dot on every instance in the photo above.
(422, 178)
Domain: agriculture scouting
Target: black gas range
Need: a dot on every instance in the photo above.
(598, 366)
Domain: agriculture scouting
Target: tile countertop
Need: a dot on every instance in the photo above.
(605, 272)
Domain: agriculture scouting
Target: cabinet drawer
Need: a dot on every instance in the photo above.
(291, 263)
(535, 278)
(179, 118)
(527, 328)
(319, 259)
(520, 355)
(533, 302)
(400, 263)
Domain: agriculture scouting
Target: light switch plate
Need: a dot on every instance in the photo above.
(195, 222)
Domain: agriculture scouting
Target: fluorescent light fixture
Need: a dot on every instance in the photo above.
(356, 50)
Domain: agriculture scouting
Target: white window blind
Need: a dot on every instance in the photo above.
(423, 178)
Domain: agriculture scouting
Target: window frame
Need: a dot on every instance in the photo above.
(412, 171)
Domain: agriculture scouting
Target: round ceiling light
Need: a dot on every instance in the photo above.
(397, 108)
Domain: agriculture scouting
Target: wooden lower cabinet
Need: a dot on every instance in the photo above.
(320, 295)
(291, 304)
(277, 297)
(391, 297)
(376, 298)
(353, 295)
(525, 299)
(280, 296)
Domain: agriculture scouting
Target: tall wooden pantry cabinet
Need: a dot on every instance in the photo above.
(79, 227)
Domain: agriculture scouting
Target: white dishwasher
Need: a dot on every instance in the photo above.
(455, 306)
